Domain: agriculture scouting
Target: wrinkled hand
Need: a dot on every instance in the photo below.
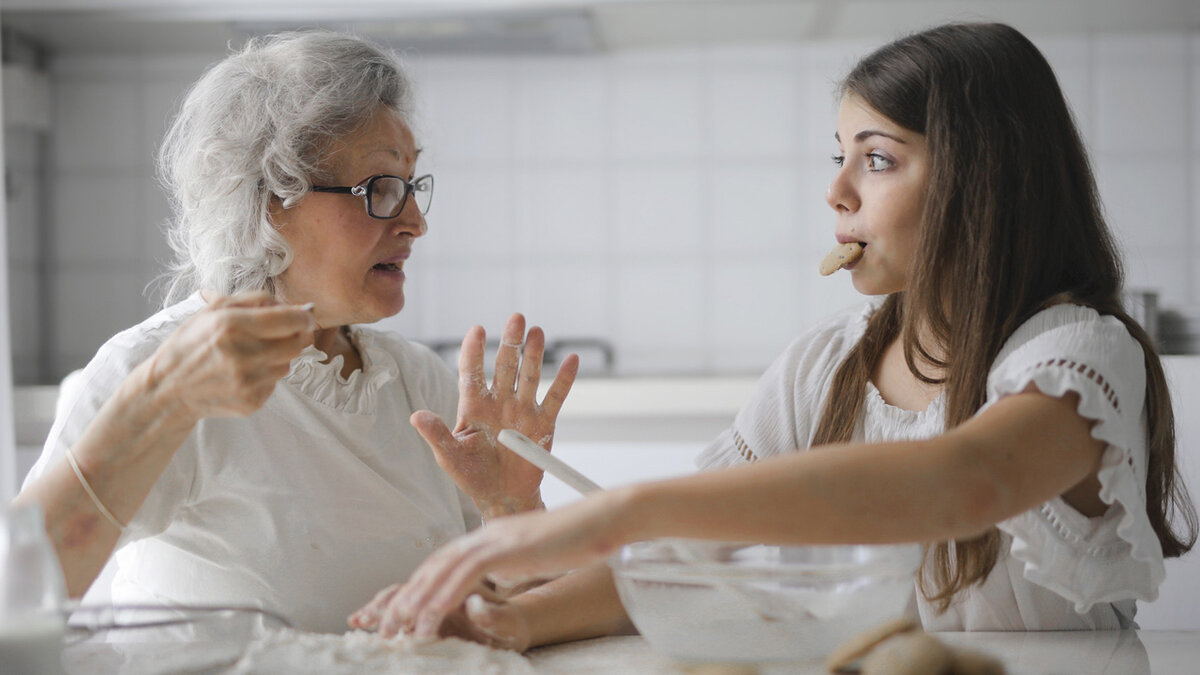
(484, 617)
(500, 481)
(508, 551)
(227, 358)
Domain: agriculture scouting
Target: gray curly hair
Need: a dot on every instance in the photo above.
(258, 125)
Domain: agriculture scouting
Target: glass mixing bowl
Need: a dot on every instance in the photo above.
(713, 601)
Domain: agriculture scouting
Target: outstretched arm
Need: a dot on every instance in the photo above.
(1024, 450)
(576, 606)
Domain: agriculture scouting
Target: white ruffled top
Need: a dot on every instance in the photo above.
(306, 507)
(320, 378)
(1058, 569)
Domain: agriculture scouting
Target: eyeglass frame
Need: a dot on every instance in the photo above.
(363, 190)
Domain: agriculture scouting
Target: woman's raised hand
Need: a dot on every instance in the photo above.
(500, 482)
(227, 358)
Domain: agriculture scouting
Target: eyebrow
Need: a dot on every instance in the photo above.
(867, 133)
(393, 152)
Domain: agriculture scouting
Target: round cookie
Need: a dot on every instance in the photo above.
(967, 662)
(910, 654)
(854, 648)
(840, 256)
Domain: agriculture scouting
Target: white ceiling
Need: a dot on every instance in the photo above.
(555, 25)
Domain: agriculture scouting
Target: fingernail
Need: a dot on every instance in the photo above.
(475, 602)
(308, 306)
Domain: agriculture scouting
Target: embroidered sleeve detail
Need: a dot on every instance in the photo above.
(1114, 557)
(1110, 394)
(743, 447)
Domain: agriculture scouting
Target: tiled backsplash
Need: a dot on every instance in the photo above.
(670, 202)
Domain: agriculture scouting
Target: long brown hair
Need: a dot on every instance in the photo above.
(1012, 225)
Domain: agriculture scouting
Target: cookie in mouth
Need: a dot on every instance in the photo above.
(840, 256)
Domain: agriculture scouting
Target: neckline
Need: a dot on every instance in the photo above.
(935, 406)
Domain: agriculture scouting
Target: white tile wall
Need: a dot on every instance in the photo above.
(668, 200)
(754, 209)
(471, 217)
(661, 315)
(562, 110)
(568, 299)
(91, 304)
(97, 123)
(463, 294)
(1141, 93)
(754, 106)
(659, 211)
(1146, 199)
(564, 212)
(659, 110)
(98, 217)
(23, 196)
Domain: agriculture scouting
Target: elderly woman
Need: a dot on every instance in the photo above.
(252, 443)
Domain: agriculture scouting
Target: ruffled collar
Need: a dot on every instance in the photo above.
(895, 423)
(357, 394)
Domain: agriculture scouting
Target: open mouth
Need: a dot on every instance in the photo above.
(387, 267)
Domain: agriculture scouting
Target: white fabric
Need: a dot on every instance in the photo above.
(306, 507)
(1058, 569)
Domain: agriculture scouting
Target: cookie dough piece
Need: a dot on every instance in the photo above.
(909, 654)
(840, 256)
(976, 663)
(853, 649)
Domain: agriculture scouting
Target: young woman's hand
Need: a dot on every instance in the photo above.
(485, 617)
(227, 358)
(500, 482)
(506, 552)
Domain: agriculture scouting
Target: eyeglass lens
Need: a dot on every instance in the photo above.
(388, 195)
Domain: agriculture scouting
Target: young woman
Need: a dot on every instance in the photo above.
(992, 399)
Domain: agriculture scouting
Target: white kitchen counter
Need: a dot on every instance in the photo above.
(1043, 653)
(1023, 653)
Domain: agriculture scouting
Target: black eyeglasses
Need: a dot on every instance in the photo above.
(386, 195)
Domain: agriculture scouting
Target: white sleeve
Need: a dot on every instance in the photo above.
(80, 399)
(785, 407)
(1117, 555)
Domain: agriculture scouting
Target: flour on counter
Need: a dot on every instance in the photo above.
(291, 651)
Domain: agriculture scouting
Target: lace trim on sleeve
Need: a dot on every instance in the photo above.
(1110, 394)
(1089, 560)
(743, 448)
(727, 449)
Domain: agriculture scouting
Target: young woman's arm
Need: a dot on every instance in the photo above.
(1024, 450)
(1021, 452)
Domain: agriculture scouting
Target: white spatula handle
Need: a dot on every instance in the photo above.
(537, 456)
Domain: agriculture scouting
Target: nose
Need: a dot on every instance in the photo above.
(410, 221)
(841, 195)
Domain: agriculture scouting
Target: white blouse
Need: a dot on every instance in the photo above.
(306, 507)
(1058, 569)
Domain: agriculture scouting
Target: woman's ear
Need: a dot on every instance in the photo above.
(277, 210)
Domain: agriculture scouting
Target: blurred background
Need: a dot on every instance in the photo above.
(645, 177)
